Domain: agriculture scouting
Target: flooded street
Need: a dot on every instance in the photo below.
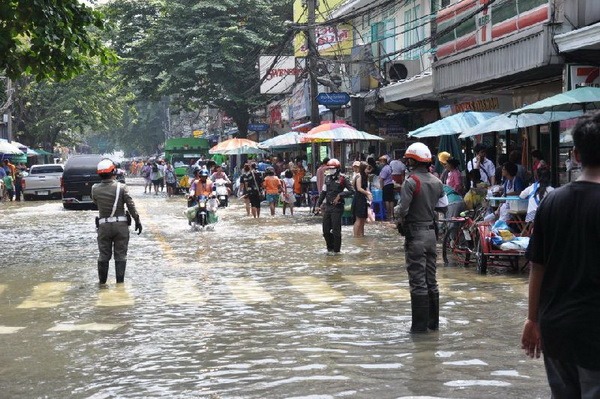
(253, 309)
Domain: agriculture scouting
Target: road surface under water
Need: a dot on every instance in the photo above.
(253, 309)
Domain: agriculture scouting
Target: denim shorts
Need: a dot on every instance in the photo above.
(272, 198)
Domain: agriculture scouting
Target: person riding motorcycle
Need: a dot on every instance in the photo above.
(331, 203)
(201, 185)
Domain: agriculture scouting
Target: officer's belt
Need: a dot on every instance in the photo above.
(112, 219)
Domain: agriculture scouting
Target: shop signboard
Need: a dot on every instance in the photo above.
(332, 41)
(500, 19)
(299, 101)
(476, 103)
(583, 75)
(333, 99)
(279, 73)
(258, 127)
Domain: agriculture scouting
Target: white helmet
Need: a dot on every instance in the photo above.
(419, 152)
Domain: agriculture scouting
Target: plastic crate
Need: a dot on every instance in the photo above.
(517, 204)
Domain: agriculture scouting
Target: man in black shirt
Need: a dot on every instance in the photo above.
(564, 285)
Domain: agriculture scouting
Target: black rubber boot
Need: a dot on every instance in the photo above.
(120, 266)
(434, 311)
(102, 271)
(420, 313)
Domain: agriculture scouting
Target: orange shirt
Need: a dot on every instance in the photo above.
(272, 184)
(298, 176)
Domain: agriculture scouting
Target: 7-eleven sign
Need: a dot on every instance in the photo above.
(583, 75)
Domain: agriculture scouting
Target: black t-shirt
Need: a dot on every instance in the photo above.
(254, 182)
(565, 241)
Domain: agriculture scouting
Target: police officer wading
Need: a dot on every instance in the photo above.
(331, 204)
(113, 226)
(421, 193)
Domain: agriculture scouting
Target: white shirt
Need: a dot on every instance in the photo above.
(532, 205)
(487, 169)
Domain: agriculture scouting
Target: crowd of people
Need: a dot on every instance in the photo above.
(11, 177)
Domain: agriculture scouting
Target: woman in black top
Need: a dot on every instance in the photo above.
(361, 200)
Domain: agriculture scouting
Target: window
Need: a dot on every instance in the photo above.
(383, 39)
(46, 169)
(414, 32)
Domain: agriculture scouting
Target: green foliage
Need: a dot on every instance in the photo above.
(49, 38)
(199, 52)
(49, 113)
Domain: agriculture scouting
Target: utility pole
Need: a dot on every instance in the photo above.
(9, 93)
(312, 63)
(311, 39)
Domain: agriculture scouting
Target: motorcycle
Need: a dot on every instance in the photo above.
(201, 212)
(222, 192)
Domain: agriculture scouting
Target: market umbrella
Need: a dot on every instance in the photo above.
(582, 98)
(243, 150)
(346, 133)
(453, 124)
(283, 140)
(327, 126)
(510, 121)
(232, 144)
(7, 148)
(449, 144)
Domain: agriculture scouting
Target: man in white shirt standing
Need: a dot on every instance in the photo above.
(485, 166)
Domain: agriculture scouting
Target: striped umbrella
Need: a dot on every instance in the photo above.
(227, 146)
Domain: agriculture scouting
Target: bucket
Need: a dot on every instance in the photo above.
(377, 195)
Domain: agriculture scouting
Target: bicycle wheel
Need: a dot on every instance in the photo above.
(481, 260)
(456, 249)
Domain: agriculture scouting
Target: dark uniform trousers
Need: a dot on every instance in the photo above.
(332, 227)
(113, 235)
(421, 257)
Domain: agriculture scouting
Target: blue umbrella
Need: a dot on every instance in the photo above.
(454, 124)
(582, 98)
(510, 121)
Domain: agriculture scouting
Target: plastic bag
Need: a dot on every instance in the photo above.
(370, 215)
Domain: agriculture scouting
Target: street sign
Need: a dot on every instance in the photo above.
(258, 127)
(197, 133)
(333, 99)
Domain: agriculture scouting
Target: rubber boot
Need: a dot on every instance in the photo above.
(120, 266)
(420, 313)
(434, 311)
(102, 271)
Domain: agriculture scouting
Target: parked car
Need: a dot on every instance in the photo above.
(42, 181)
(77, 181)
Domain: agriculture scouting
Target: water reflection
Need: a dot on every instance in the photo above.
(252, 310)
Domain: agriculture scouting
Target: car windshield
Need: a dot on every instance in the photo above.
(46, 169)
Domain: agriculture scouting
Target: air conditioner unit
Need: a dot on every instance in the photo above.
(402, 69)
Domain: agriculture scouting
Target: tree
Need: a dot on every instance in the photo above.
(49, 38)
(49, 113)
(200, 52)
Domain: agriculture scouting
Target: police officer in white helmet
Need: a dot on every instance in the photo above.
(422, 192)
(113, 222)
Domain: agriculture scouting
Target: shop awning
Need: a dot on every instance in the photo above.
(43, 152)
(453, 124)
(587, 38)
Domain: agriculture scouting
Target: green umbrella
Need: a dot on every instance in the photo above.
(582, 98)
(451, 145)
